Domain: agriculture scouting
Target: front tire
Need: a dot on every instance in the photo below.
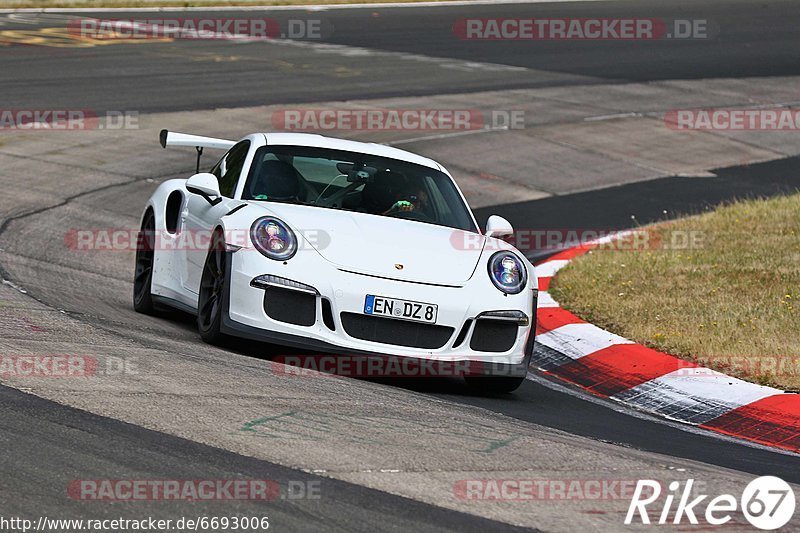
(212, 289)
(145, 259)
(494, 384)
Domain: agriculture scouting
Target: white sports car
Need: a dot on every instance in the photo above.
(340, 247)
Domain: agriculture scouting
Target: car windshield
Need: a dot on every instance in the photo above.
(352, 181)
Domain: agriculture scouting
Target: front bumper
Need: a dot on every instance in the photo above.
(338, 300)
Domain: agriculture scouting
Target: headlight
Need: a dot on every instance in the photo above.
(507, 272)
(273, 238)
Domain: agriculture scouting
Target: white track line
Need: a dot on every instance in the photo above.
(632, 411)
(548, 269)
(579, 340)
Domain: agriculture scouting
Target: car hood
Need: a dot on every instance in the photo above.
(384, 246)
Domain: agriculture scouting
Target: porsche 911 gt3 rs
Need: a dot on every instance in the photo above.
(337, 246)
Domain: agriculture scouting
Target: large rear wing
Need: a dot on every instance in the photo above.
(171, 138)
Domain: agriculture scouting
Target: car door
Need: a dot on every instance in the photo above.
(200, 216)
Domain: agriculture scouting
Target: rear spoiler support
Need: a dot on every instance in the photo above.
(171, 138)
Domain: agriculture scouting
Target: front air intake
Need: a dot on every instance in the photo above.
(493, 335)
(396, 332)
(290, 306)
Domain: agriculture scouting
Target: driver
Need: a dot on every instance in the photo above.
(414, 198)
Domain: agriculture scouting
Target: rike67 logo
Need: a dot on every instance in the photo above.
(767, 503)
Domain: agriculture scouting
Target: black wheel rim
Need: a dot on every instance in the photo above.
(211, 287)
(145, 252)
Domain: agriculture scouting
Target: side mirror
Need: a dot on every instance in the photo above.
(206, 185)
(498, 227)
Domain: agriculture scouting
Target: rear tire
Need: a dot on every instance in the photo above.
(145, 259)
(494, 384)
(212, 289)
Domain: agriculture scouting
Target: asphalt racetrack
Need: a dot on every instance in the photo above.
(757, 40)
(385, 454)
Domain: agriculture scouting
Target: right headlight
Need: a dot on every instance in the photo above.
(508, 272)
(273, 238)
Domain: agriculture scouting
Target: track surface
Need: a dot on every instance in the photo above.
(43, 436)
(69, 444)
(641, 203)
(756, 39)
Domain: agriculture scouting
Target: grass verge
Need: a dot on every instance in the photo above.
(720, 289)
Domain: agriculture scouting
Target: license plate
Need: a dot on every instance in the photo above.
(402, 309)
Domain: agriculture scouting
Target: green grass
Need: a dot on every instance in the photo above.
(730, 302)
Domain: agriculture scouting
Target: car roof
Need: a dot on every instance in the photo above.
(320, 141)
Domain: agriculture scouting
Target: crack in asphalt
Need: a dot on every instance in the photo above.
(4, 275)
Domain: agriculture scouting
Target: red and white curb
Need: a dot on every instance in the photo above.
(610, 366)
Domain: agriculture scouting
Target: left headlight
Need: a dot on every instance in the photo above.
(508, 272)
(273, 238)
